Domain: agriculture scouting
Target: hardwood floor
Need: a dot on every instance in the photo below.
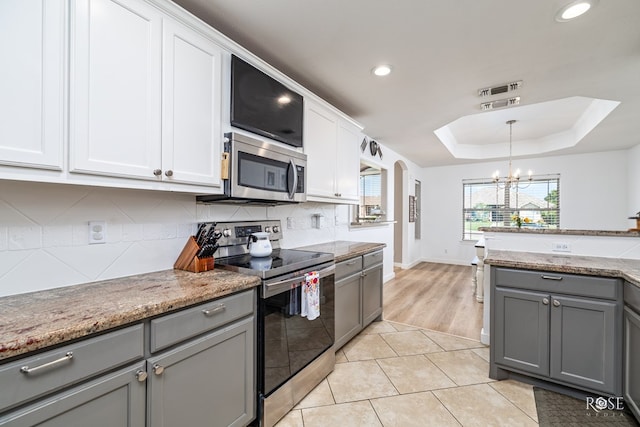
(434, 296)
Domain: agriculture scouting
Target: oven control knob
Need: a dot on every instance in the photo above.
(226, 232)
(276, 229)
(267, 229)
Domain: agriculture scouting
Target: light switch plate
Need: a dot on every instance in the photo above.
(97, 232)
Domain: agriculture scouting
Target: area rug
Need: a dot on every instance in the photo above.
(558, 410)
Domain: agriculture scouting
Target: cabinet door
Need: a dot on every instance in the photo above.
(371, 294)
(192, 87)
(348, 163)
(585, 343)
(114, 400)
(320, 133)
(632, 360)
(32, 48)
(115, 91)
(207, 382)
(348, 310)
(522, 330)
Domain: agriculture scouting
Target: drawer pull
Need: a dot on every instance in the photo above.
(65, 358)
(216, 309)
(545, 277)
(556, 303)
(350, 263)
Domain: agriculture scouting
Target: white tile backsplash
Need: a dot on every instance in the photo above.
(44, 236)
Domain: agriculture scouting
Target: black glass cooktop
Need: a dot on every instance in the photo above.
(281, 261)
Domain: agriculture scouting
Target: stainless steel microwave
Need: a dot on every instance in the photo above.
(256, 171)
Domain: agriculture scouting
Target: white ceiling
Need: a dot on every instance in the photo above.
(442, 52)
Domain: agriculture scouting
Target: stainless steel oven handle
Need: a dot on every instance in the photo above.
(292, 191)
(283, 285)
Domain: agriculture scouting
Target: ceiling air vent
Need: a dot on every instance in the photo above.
(507, 87)
(507, 102)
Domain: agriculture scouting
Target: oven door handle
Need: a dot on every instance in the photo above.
(275, 288)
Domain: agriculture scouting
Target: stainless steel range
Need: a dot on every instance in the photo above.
(294, 353)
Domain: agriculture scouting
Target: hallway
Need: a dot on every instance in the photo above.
(434, 296)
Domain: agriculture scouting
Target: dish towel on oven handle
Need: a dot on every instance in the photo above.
(310, 304)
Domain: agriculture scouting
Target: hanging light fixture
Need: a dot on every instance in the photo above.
(513, 179)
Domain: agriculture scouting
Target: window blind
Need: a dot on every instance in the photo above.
(533, 204)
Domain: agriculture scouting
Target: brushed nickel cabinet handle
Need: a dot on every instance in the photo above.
(545, 301)
(157, 172)
(157, 369)
(169, 173)
(65, 358)
(141, 375)
(214, 310)
(556, 303)
(545, 277)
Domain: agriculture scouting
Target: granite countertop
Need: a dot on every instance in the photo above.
(628, 269)
(567, 232)
(342, 249)
(41, 319)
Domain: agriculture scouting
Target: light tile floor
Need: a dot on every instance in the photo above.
(394, 375)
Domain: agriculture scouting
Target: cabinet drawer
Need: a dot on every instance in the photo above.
(174, 328)
(573, 284)
(348, 267)
(38, 375)
(372, 259)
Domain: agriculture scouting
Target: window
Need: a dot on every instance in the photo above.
(486, 204)
(372, 195)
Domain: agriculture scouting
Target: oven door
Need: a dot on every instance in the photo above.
(265, 171)
(287, 341)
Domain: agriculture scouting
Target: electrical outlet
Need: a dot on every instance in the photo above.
(290, 223)
(560, 247)
(97, 232)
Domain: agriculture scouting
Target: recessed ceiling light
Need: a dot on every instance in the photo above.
(574, 9)
(382, 70)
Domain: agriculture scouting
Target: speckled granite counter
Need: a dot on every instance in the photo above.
(342, 249)
(566, 232)
(41, 319)
(627, 269)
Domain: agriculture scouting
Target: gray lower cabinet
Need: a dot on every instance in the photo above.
(199, 371)
(114, 400)
(631, 383)
(358, 295)
(210, 381)
(550, 332)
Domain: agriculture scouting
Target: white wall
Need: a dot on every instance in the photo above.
(593, 195)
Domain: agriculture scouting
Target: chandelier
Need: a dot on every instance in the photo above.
(513, 179)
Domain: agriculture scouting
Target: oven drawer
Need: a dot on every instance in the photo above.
(371, 259)
(174, 328)
(348, 267)
(35, 376)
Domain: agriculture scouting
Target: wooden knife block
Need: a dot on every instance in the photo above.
(188, 261)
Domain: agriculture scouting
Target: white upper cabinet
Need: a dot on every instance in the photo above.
(333, 159)
(191, 129)
(145, 95)
(32, 48)
(115, 98)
